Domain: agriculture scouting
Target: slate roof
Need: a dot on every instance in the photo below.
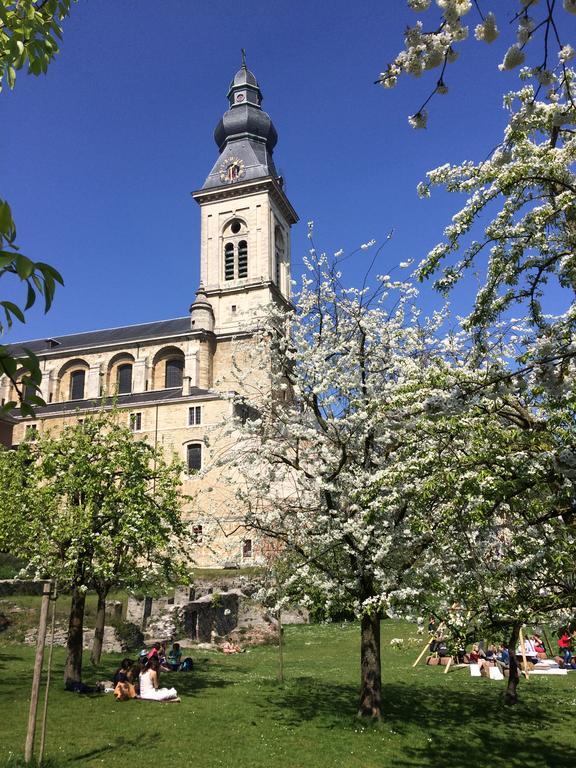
(123, 335)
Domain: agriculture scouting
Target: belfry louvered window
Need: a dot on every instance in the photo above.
(236, 260)
(242, 259)
(229, 261)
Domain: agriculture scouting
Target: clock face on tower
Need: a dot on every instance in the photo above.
(231, 170)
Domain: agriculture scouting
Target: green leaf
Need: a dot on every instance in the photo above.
(6, 222)
(31, 297)
(24, 266)
(10, 307)
(11, 77)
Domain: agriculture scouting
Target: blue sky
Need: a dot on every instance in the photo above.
(99, 157)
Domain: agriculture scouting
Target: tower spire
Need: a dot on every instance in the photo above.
(243, 50)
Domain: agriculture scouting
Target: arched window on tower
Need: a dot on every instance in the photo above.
(278, 256)
(242, 259)
(124, 379)
(229, 265)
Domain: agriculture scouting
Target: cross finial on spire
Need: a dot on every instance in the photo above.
(243, 58)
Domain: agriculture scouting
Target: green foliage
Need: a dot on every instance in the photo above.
(29, 34)
(94, 507)
(129, 636)
(40, 280)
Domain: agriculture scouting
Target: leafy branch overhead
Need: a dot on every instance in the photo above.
(40, 280)
(29, 35)
(524, 191)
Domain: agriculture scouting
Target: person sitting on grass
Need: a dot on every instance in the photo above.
(174, 659)
(150, 684)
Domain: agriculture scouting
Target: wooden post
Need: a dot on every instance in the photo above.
(523, 649)
(423, 651)
(29, 748)
(550, 648)
(48, 673)
(450, 660)
(280, 649)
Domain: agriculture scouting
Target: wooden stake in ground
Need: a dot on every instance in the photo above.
(48, 674)
(523, 649)
(450, 660)
(280, 649)
(29, 748)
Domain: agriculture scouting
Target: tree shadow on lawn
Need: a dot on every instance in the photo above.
(459, 728)
(119, 743)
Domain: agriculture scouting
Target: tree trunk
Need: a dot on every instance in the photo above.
(73, 668)
(511, 695)
(99, 627)
(371, 680)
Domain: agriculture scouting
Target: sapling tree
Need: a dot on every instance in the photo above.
(96, 508)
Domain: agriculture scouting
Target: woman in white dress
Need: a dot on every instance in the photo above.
(149, 684)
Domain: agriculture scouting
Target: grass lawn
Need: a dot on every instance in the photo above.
(234, 713)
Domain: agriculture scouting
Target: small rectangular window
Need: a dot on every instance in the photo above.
(31, 431)
(195, 415)
(247, 548)
(135, 422)
(197, 531)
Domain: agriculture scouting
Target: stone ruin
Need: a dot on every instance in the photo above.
(202, 615)
(208, 613)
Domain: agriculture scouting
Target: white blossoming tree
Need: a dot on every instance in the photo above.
(495, 463)
(525, 190)
(95, 508)
(321, 469)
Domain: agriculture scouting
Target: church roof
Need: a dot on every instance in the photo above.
(129, 333)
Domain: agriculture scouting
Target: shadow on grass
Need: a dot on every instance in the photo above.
(437, 727)
(120, 743)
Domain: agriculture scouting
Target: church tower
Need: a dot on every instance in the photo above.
(245, 219)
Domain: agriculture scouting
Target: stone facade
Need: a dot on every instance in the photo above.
(173, 380)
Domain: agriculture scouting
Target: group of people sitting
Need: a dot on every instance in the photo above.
(532, 651)
(141, 678)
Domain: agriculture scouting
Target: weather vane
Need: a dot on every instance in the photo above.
(243, 57)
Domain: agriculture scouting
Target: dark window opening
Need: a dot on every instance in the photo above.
(247, 548)
(235, 227)
(31, 431)
(174, 373)
(124, 380)
(135, 422)
(229, 261)
(197, 531)
(242, 259)
(77, 381)
(194, 457)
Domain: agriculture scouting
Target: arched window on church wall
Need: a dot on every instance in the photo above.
(71, 381)
(168, 368)
(119, 374)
